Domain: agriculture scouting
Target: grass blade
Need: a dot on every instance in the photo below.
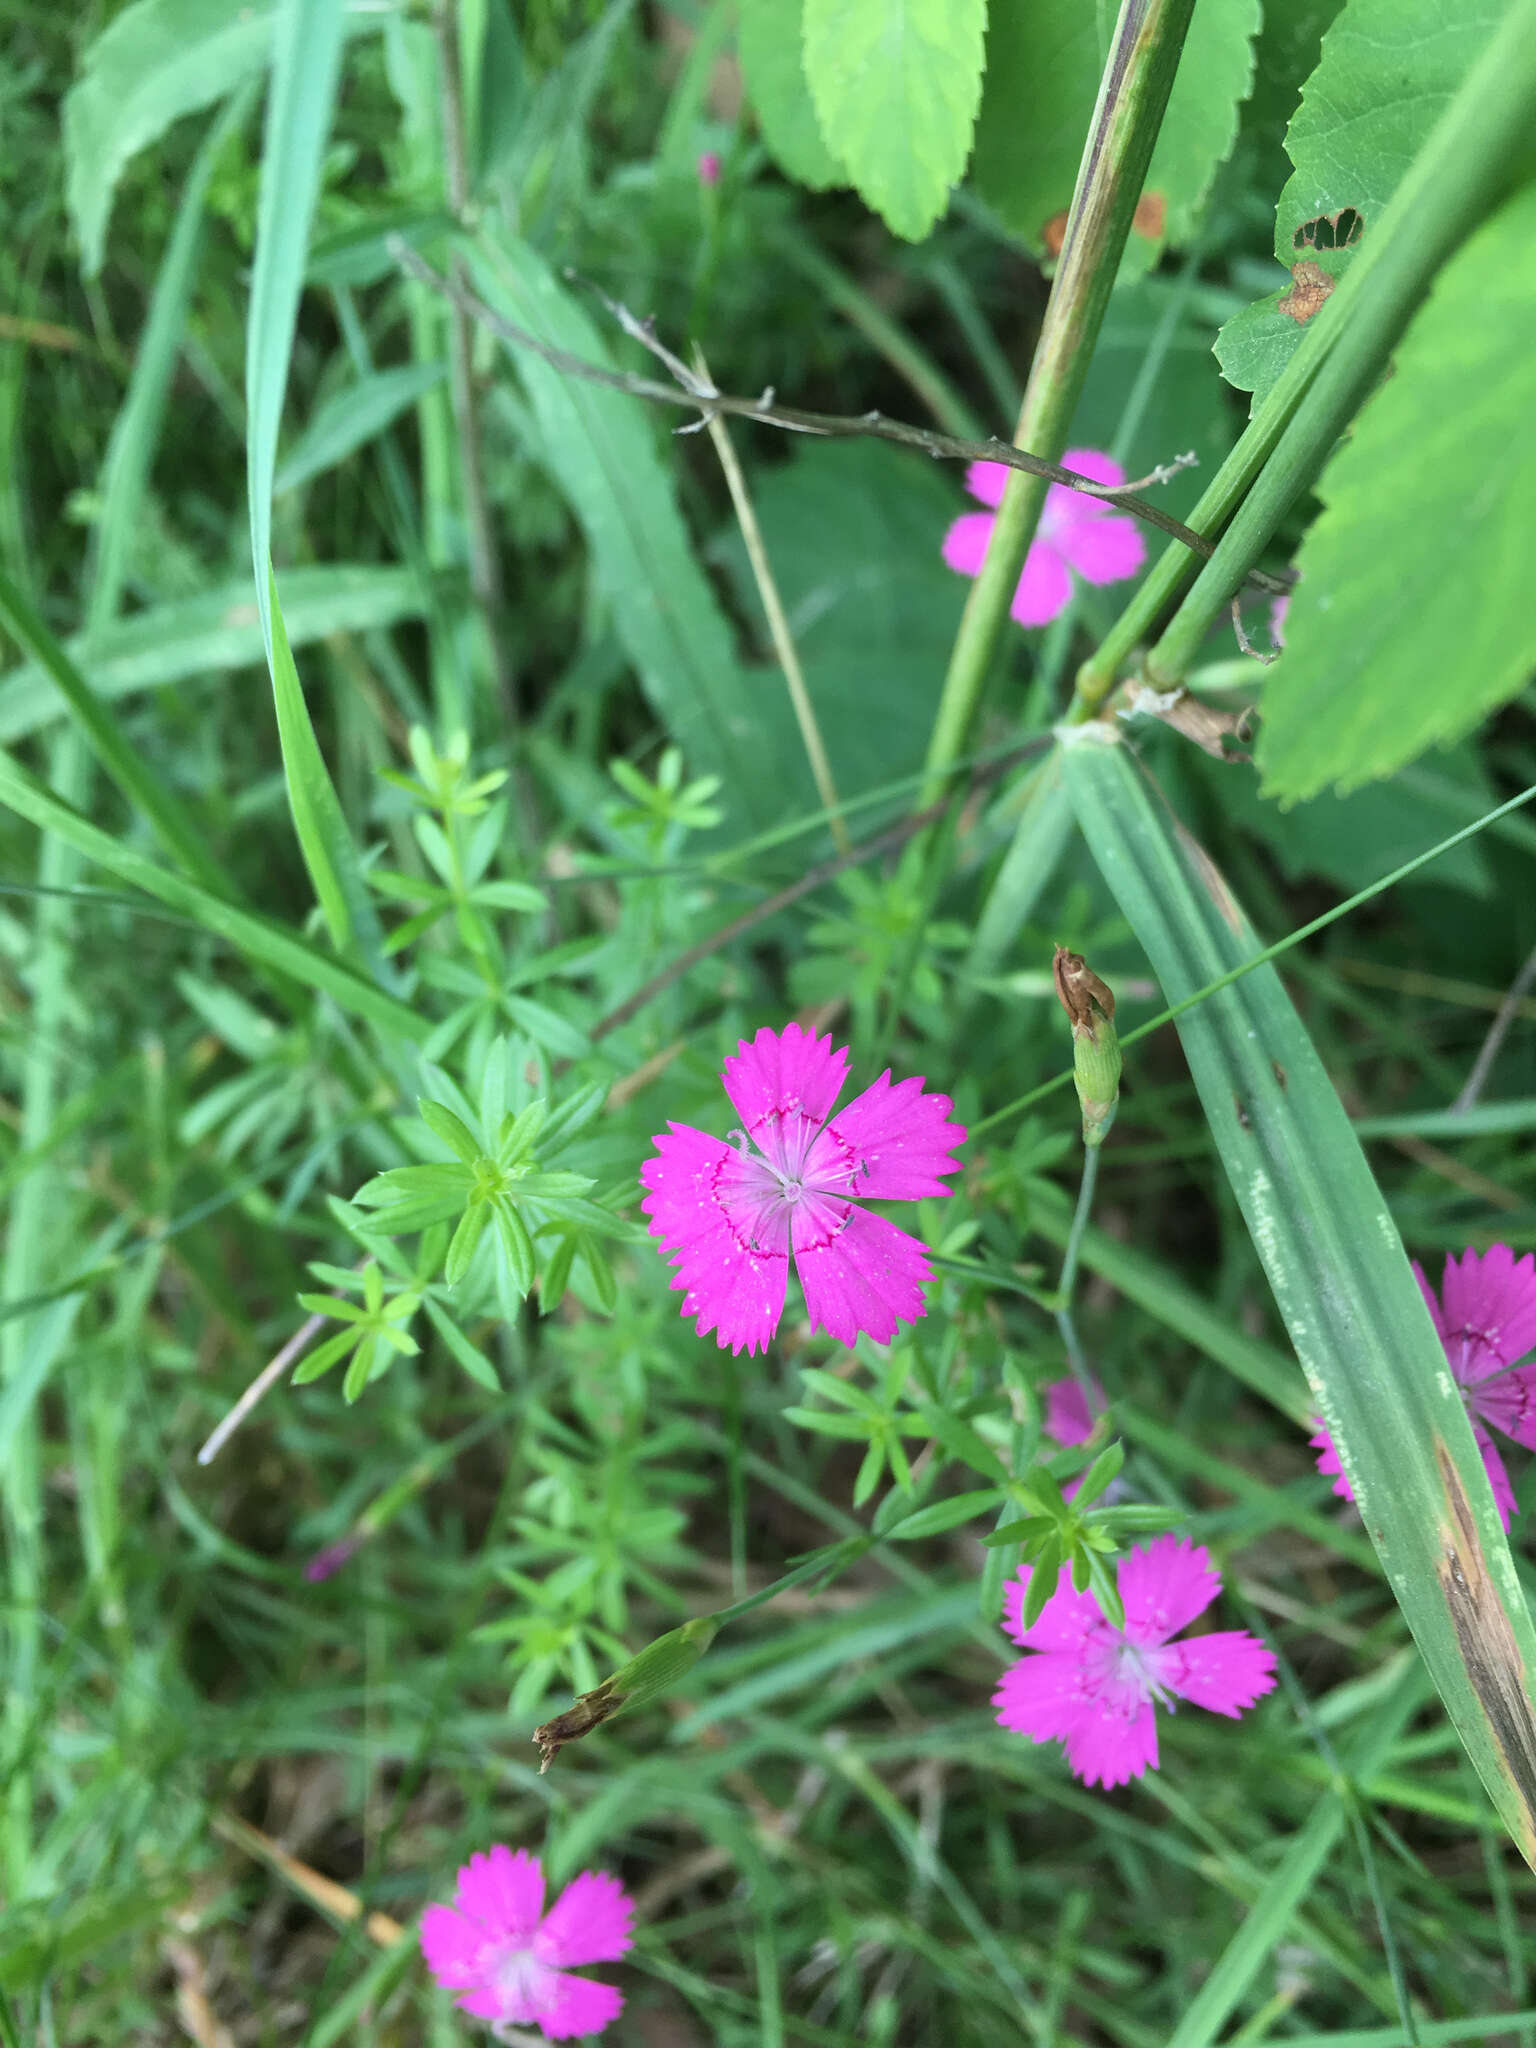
(306, 66)
(1339, 1273)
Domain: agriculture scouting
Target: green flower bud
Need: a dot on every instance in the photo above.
(1090, 1003)
(656, 1670)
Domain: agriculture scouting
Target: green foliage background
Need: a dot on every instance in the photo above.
(365, 913)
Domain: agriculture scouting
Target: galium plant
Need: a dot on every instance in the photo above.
(362, 1076)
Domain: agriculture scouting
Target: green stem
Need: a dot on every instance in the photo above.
(1452, 178)
(1064, 1320)
(1132, 97)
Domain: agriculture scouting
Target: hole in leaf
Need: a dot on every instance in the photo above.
(1339, 230)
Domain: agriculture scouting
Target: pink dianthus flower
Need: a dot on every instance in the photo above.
(511, 1959)
(732, 1213)
(1092, 1685)
(1076, 534)
(1486, 1317)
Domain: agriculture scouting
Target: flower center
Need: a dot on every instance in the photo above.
(523, 1985)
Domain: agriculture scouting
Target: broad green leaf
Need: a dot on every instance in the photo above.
(305, 69)
(598, 446)
(353, 418)
(896, 85)
(853, 531)
(1340, 1277)
(770, 41)
(158, 60)
(217, 630)
(1413, 619)
(1044, 63)
(1361, 122)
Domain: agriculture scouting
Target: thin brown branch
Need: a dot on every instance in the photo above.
(692, 393)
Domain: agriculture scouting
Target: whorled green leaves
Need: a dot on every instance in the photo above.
(1413, 619)
(896, 85)
(1387, 71)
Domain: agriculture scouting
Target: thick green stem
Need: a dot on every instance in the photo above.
(1449, 184)
(1132, 97)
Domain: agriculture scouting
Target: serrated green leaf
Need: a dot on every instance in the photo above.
(1340, 1276)
(1413, 617)
(770, 41)
(896, 85)
(353, 418)
(1363, 118)
(1043, 67)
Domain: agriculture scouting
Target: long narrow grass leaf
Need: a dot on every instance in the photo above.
(1339, 1273)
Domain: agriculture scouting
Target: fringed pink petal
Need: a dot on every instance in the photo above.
(451, 1945)
(1066, 1621)
(504, 1890)
(1107, 1746)
(729, 1244)
(782, 1078)
(901, 1139)
(1040, 1697)
(1224, 1673)
(986, 482)
(590, 1922)
(965, 544)
(1330, 1464)
(1045, 588)
(1164, 1587)
(858, 1271)
(1508, 1402)
(1498, 1477)
(1493, 1296)
(577, 2007)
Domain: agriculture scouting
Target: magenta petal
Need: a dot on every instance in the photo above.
(1044, 589)
(1108, 1748)
(1494, 1296)
(1102, 546)
(1329, 1463)
(1067, 1416)
(588, 1923)
(735, 1291)
(1040, 1697)
(1498, 1478)
(578, 2006)
(504, 1889)
(783, 1074)
(858, 1271)
(1224, 1673)
(986, 482)
(1508, 1403)
(451, 1945)
(1164, 1587)
(965, 544)
(1092, 463)
(902, 1140)
(1065, 1622)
